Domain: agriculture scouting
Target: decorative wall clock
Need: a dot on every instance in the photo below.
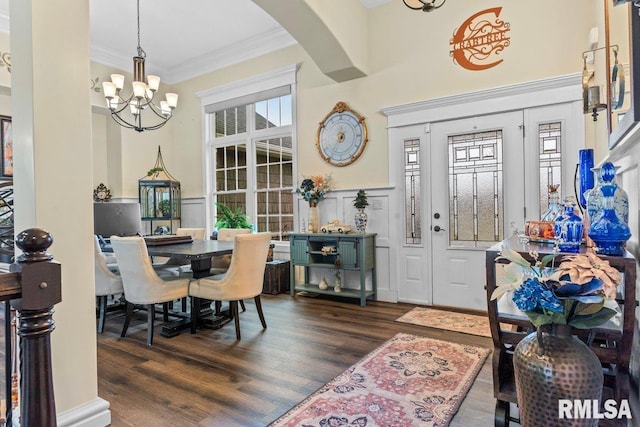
(342, 136)
(101, 193)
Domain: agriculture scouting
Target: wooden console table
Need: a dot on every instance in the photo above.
(612, 342)
(352, 251)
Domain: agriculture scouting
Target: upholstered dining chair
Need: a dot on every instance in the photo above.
(220, 264)
(243, 279)
(142, 284)
(108, 283)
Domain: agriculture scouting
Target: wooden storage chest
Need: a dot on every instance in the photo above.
(276, 277)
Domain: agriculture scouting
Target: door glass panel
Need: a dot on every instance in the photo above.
(550, 155)
(475, 189)
(412, 191)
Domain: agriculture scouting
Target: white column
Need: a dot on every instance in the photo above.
(53, 181)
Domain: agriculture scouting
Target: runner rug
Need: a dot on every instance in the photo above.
(451, 321)
(407, 381)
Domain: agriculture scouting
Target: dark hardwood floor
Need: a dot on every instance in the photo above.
(210, 379)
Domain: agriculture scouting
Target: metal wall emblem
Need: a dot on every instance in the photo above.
(478, 42)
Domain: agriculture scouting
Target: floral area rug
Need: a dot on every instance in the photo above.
(451, 321)
(407, 381)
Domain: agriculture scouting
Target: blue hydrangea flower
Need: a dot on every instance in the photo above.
(532, 295)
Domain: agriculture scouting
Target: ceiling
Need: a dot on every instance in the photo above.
(182, 39)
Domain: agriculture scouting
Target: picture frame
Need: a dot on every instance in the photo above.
(6, 136)
(629, 124)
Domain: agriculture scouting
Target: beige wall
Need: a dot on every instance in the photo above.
(409, 61)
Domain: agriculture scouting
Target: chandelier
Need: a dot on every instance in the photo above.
(424, 5)
(128, 112)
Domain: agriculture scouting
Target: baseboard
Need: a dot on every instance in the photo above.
(386, 295)
(93, 414)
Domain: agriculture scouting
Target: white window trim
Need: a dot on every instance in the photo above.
(262, 82)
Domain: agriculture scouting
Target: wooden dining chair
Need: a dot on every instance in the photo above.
(142, 284)
(108, 283)
(243, 279)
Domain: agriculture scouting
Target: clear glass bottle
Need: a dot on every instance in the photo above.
(554, 208)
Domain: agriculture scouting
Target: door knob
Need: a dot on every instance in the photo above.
(438, 228)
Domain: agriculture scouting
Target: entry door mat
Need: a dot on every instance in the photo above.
(407, 381)
(448, 320)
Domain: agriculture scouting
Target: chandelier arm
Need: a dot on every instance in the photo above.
(158, 111)
(138, 127)
(124, 102)
(122, 122)
(440, 5)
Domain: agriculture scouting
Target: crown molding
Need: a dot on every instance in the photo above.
(124, 62)
(205, 63)
(239, 52)
(553, 83)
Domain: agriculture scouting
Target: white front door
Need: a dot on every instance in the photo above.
(477, 196)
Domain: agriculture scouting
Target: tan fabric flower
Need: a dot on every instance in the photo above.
(582, 268)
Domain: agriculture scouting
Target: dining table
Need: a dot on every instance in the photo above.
(200, 254)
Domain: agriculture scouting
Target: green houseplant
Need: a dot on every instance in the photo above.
(228, 218)
(165, 207)
(360, 202)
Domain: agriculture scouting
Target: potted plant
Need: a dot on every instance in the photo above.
(228, 218)
(165, 207)
(360, 202)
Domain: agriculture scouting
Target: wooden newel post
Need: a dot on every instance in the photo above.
(40, 278)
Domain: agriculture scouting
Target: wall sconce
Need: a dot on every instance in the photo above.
(593, 102)
(591, 93)
(424, 5)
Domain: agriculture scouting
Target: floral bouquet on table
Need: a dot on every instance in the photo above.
(315, 188)
(580, 292)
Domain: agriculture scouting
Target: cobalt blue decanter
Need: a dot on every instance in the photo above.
(568, 228)
(620, 197)
(608, 231)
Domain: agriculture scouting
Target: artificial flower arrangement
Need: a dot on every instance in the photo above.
(315, 188)
(579, 292)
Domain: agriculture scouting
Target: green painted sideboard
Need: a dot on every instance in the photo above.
(352, 251)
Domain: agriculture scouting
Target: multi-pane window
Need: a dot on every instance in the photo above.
(231, 175)
(412, 191)
(274, 184)
(550, 155)
(475, 189)
(253, 160)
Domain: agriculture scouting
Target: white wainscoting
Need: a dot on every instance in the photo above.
(194, 212)
(339, 205)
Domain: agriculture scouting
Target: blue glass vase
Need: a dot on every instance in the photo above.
(568, 228)
(585, 174)
(607, 231)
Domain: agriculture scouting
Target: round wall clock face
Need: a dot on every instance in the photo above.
(342, 136)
